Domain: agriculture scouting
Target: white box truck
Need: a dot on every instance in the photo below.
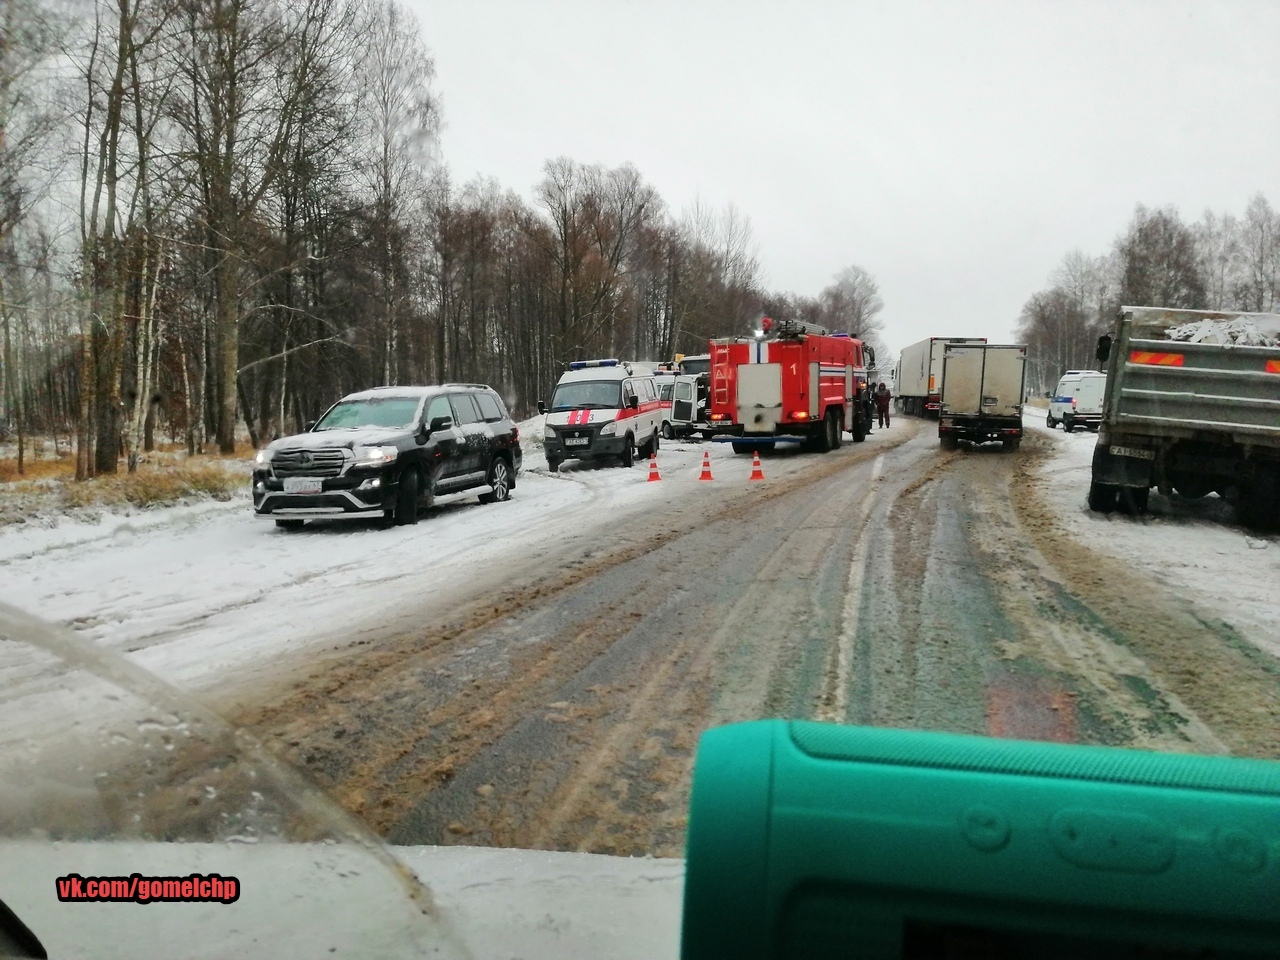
(919, 375)
(981, 399)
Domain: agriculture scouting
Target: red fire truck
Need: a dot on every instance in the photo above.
(792, 383)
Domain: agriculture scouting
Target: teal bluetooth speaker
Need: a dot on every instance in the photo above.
(809, 840)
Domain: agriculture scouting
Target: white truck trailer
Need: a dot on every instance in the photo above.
(982, 389)
(918, 382)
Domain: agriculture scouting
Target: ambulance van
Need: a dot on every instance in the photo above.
(602, 410)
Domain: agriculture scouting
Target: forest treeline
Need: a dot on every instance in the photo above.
(219, 214)
(1220, 262)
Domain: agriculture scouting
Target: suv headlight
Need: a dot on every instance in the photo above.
(609, 429)
(372, 456)
(548, 433)
(263, 457)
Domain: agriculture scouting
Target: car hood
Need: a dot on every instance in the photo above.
(356, 437)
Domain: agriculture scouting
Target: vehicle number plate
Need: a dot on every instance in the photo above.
(1133, 452)
(576, 441)
(302, 485)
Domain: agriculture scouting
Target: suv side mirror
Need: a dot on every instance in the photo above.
(633, 402)
(1048, 395)
(542, 407)
(306, 427)
(440, 423)
(1104, 347)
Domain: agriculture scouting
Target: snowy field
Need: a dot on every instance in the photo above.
(1194, 547)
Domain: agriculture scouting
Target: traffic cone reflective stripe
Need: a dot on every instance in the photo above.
(756, 472)
(706, 466)
(653, 468)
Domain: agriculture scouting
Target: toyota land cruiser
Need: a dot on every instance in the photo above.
(388, 453)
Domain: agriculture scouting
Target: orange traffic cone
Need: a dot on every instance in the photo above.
(706, 466)
(653, 468)
(756, 472)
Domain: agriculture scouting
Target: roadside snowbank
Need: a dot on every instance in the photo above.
(1194, 547)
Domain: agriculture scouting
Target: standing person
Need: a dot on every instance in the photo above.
(883, 398)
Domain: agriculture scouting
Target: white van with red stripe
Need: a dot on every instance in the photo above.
(602, 409)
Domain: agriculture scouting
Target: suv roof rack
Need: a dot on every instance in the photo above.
(478, 386)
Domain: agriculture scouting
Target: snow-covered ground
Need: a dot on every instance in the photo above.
(1195, 547)
(194, 591)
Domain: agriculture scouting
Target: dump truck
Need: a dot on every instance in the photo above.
(918, 379)
(1192, 406)
(982, 390)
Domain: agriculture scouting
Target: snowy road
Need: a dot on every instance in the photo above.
(536, 673)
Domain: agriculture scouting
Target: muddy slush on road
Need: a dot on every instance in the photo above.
(893, 584)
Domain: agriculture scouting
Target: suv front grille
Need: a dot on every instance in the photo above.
(308, 463)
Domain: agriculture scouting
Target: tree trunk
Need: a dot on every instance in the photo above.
(228, 316)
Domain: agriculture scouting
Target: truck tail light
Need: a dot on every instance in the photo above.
(515, 432)
(799, 414)
(1073, 403)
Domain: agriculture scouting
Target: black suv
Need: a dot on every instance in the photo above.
(388, 453)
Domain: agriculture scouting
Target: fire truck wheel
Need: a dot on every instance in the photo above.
(839, 430)
(629, 451)
(859, 429)
(825, 441)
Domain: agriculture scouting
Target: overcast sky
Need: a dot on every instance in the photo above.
(955, 150)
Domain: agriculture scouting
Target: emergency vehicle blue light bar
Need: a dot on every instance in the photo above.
(580, 364)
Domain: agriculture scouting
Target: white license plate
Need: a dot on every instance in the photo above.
(1133, 452)
(302, 485)
(576, 441)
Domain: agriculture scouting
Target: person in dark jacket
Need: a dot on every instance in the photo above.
(883, 398)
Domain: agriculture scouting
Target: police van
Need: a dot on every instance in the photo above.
(1077, 401)
(602, 409)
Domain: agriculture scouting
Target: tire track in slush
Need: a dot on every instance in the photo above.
(822, 515)
(613, 775)
(834, 708)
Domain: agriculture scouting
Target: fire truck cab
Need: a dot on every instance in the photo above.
(792, 383)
